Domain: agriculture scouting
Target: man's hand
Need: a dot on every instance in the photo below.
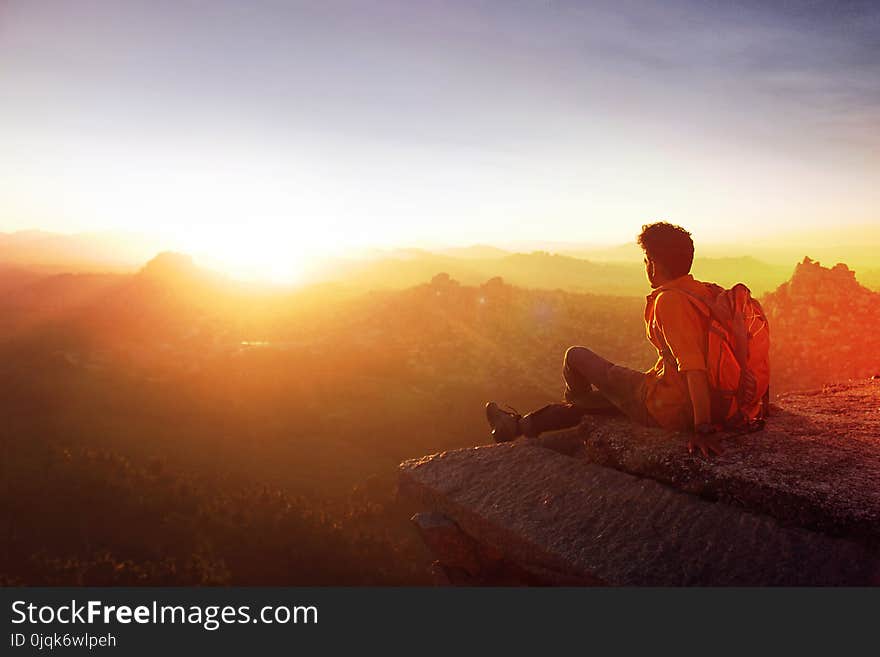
(705, 438)
(701, 396)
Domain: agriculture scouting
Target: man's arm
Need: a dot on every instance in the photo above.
(701, 399)
(698, 386)
(684, 333)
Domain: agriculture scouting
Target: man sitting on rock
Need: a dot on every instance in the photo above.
(674, 394)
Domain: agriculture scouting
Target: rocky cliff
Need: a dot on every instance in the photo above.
(824, 327)
(610, 503)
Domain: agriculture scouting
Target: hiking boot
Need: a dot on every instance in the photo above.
(505, 424)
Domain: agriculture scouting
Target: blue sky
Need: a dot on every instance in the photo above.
(318, 126)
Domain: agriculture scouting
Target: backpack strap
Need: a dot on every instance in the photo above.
(697, 300)
(701, 305)
(739, 343)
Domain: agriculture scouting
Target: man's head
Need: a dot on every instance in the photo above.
(669, 252)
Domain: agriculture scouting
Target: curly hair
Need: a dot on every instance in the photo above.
(669, 245)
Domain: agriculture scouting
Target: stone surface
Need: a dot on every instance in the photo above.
(444, 537)
(796, 504)
(561, 515)
(816, 465)
(462, 561)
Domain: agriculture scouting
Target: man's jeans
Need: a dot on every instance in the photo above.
(593, 386)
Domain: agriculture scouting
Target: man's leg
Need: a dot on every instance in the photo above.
(508, 424)
(584, 372)
(593, 386)
(551, 417)
(619, 387)
(580, 369)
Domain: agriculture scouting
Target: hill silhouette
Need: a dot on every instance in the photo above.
(566, 266)
(542, 270)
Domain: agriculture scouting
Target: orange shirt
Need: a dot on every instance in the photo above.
(679, 331)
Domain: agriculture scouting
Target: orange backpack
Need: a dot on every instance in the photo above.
(737, 356)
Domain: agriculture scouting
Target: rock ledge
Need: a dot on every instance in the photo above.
(610, 503)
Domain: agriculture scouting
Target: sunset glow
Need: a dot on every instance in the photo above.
(430, 293)
(239, 133)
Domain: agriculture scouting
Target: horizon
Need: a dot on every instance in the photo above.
(763, 270)
(266, 136)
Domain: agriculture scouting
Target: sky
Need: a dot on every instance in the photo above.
(267, 130)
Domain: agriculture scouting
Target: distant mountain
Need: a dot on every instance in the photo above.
(107, 251)
(475, 252)
(543, 270)
(759, 276)
(169, 296)
(629, 252)
(614, 269)
(855, 245)
(568, 266)
(173, 267)
(549, 270)
(534, 270)
(858, 256)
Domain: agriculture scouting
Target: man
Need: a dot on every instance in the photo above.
(674, 394)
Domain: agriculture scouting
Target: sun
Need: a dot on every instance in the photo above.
(258, 255)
